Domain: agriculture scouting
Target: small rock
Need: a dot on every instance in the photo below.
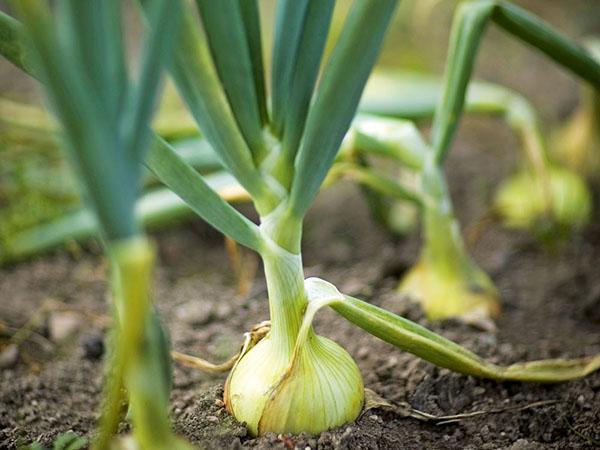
(93, 347)
(195, 312)
(9, 356)
(363, 352)
(478, 390)
(523, 444)
(62, 325)
(223, 310)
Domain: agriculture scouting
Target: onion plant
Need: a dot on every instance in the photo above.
(445, 279)
(542, 196)
(104, 113)
(280, 152)
(577, 144)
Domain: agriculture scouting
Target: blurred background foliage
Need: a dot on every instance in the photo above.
(36, 185)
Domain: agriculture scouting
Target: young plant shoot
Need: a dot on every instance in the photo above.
(77, 54)
(293, 380)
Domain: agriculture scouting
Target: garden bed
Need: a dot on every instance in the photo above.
(551, 308)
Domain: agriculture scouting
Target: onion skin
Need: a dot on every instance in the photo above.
(318, 388)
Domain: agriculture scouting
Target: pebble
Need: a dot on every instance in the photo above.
(9, 356)
(62, 325)
(223, 310)
(478, 390)
(195, 312)
(93, 347)
(522, 444)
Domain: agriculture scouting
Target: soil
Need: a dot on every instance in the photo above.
(551, 308)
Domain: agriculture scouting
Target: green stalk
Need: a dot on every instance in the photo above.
(287, 300)
(468, 27)
(132, 262)
(577, 144)
(140, 361)
(445, 279)
(284, 275)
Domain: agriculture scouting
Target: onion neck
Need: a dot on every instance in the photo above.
(285, 279)
(443, 247)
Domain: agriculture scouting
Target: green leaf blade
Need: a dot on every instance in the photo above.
(420, 341)
(201, 198)
(10, 42)
(199, 85)
(337, 97)
(542, 36)
(289, 24)
(304, 76)
(91, 142)
(467, 30)
(224, 26)
(162, 28)
(251, 19)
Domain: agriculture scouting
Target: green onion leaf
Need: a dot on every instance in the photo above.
(163, 21)
(442, 352)
(470, 21)
(227, 38)
(188, 184)
(94, 46)
(337, 97)
(199, 85)
(10, 42)
(304, 76)
(289, 24)
(540, 35)
(90, 141)
(251, 18)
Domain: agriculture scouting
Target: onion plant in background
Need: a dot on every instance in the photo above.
(577, 144)
(104, 113)
(542, 196)
(280, 152)
(445, 279)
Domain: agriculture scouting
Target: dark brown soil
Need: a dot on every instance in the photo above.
(551, 309)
